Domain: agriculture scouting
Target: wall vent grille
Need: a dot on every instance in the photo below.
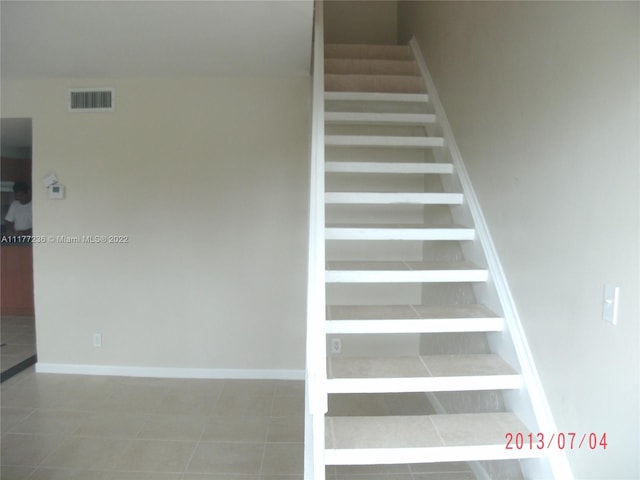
(91, 99)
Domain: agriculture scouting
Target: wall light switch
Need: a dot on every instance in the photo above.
(56, 192)
(610, 304)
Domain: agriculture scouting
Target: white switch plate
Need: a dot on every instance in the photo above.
(610, 304)
(97, 340)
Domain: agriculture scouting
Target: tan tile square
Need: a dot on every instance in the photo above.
(288, 406)
(21, 449)
(445, 476)
(85, 453)
(69, 474)
(156, 456)
(366, 471)
(283, 459)
(172, 427)
(444, 467)
(286, 429)
(9, 416)
(59, 422)
(236, 458)
(240, 404)
(186, 403)
(381, 432)
(15, 473)
(236, 429)
(219, 476)
(144, 476)
(111, 424)
(250, 387)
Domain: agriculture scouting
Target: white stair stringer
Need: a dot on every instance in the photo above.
(394, 437)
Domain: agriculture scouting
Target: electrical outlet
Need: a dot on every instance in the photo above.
(336, 346)
(610, 304)
(97, 340)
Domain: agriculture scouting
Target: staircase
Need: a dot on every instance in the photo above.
(421, 372)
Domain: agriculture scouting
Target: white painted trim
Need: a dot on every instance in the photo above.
(406, 276)
(316, 398)
(383, 167)
(376, 97)
(542, 411)
(439, 325)
(354, 233)
(370, 198)
(170, 372)
(388, 118)
(379, 141)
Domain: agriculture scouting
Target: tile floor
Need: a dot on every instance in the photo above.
(76, 427)
(18, 340)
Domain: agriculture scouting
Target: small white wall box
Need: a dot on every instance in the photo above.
(49, 180)
(56, 191)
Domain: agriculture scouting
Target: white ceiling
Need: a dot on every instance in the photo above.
(87, 39)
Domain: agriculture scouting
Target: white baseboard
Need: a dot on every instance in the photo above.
(170, 372)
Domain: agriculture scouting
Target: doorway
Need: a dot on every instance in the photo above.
(17, 313)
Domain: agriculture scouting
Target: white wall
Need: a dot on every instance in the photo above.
(360, 21)
(543, 101)
(208, 180)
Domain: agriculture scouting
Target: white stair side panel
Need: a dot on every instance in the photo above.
(375, 118)
(379, 141)
(377, 97)
(384, 167)
(362, 198)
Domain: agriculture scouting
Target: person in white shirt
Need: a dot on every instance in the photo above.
(18, 218)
